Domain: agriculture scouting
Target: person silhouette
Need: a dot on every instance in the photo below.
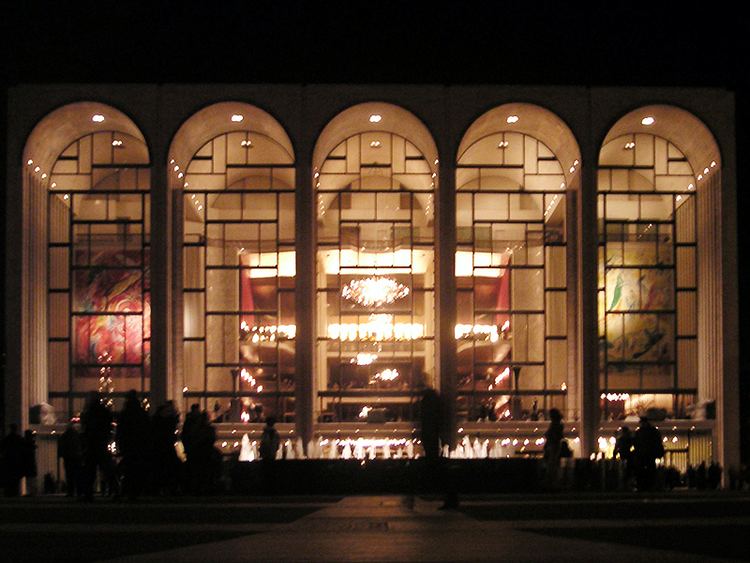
(269, 445)
(11, 457)
(552, 447)
(96, 424)
(70, 450)
(648, 448)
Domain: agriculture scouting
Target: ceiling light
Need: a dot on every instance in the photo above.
(374, 291)
(706, 171)
(97, 118)
(44, 176)
(503, 144)
(247, 143)
(54, 185)
(629, 145)
(66, 196)
(176, 168)
(691, 187)
(376, 144)
(237, 118)
(29, 162)
(512, 119)
(116, 143)
(648, 120)
(713, 163)
(37, 169)
(375, 118)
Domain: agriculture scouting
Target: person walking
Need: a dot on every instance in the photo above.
(624, 451)
(96, 425)
(553, 438)
(133, 438)
(11, 461)
(69, 449)
(29, 462)
(648, 447)
(164, 434)
(269, 445)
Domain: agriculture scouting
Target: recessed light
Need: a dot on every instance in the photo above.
(237, 118)
(375, 118)
(648, 120)
(512, 119)
(97, 118)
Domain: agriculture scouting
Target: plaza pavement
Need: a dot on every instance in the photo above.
(584, 527)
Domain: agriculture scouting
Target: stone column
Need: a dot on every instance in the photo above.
(588, 356)
(445, 292)
(304, 224)
(161, 321)
(573, 379)
(717, 321)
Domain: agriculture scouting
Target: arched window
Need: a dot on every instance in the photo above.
(648, 318)
(239, 270)
(375, 273)
(98, 214)
(512, 328)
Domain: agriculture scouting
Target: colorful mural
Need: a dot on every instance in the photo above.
(112, 315)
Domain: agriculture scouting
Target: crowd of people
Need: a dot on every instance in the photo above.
(131, 452)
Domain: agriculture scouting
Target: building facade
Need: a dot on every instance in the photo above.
(325, 252)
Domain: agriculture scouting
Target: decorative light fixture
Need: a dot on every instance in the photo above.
(364, 359)
(97, 118)
(237, 118)
(630, 145)
(247, 143)
(374, 291)
(386, 375)
(512, 119)
(375, 144)
(29, 162)
(375, 118)
(117, 143)
(503, 145)
(648, 120)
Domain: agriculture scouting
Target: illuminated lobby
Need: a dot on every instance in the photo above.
(324, 253)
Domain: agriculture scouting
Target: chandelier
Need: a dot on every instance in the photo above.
(374, 291)
(385, 375)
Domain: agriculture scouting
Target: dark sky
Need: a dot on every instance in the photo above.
(387, 41)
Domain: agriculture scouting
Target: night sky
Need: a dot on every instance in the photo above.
(548, 43)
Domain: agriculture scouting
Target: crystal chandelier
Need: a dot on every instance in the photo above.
(374, 291)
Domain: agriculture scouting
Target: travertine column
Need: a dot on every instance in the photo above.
(717, 301)
(178, 319)
(573, 378)
(161, 321)
(588, 356)
(34, 293)
(445, 292)
(304, 224)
